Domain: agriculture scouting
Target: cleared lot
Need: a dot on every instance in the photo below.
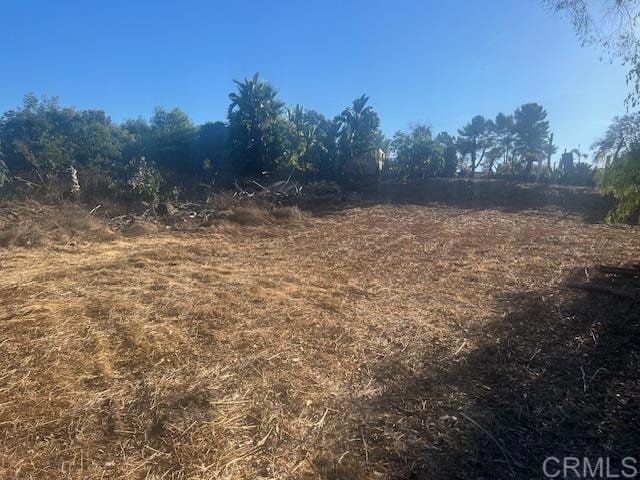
(375, 342)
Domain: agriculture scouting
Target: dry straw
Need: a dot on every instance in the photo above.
(348, 346)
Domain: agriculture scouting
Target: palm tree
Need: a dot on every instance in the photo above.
(253, 116)
(305, 135)
(359, 129)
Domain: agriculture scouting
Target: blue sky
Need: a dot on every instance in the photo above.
(439, 62)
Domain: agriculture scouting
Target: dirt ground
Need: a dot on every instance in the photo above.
(372, 342)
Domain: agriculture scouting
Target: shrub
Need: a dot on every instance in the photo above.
(144, 180)
(621, 178)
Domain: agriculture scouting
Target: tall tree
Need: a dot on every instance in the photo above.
(503, 132)
(417, 154)
(621, 135)
(331, 133)
(312, 142)
(531, 128)
(621, 179)
(359, 129)
(172, 138)
(474, 139)
(255, 125)
(212, 149)
(139, 133)
(450, 154)
(303, 135)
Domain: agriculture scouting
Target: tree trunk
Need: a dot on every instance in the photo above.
(473, 164)
(549, 153)
(482, 155)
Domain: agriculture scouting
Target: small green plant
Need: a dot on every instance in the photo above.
(145, 179)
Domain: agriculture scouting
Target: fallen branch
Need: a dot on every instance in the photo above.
(604, 289)
(256, 183)
(26, 182)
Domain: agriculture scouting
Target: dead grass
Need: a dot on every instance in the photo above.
(350, 346)
(255, 215)
(251, 215)
(33, 224)
(288, 214)
(138, 228)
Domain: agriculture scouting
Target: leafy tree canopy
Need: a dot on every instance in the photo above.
(417, 154)
(257, 129)
(531, 128)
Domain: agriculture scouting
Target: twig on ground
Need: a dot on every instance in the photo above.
(585, 384)
(320, 422)
(464, 344)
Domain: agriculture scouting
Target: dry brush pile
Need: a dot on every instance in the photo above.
(370, 343)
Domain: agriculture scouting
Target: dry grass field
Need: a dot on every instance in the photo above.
(371, 342)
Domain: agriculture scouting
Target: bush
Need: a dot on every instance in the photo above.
(621, 178)
(144, 182)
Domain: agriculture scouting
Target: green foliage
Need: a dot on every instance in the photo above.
(144, 180)
(570, 172)
(531, 129)
(621, 178)
(167, 141)
(212, 149)
(417, 154)
(502, 141)
(583, 174)
(172, 135)
(167, 153)
(621, 135)
(139, 138)
(359, 131)
(450, 154)
(358, 138)
(45, 138)
(473, 139)
(311, 141)
(257, 130)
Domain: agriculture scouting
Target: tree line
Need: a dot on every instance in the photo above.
(145, 158)
(142, 158)
(260, 135)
